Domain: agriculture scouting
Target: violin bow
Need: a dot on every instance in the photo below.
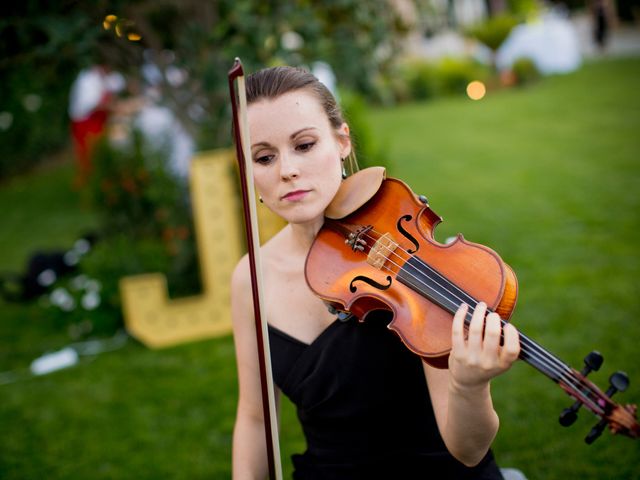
(243, 152)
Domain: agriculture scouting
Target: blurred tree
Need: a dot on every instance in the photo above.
(44, 44)
(357, 39)
(493, 32)
(42, 47)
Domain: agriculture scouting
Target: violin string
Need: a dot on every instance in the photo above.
(541, 352)
(556, 366)
(445, 286)
(552, 364)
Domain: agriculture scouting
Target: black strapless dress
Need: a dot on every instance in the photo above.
(364, 407)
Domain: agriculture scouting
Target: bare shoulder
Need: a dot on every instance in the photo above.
(241, 276)
(241, 305)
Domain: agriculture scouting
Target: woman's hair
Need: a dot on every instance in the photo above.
(270, 83)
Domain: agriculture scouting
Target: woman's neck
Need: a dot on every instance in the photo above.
(302, 235)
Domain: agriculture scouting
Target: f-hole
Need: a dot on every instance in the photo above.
(407, 234)
(373, 283)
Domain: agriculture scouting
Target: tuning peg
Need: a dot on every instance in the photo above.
(618, 382)
(569, 414)
(595, 431)
(592, 362)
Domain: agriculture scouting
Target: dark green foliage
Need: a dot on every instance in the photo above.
(455, 74)
(424, 80)
(42, 47)
(494, 31)
(525, 71)
(146, 223)
(524, 7)
(44, 44)
(421, 79)
(370, 152)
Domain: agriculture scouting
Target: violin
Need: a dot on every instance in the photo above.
(376, 251)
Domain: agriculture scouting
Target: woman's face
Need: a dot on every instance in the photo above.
(297, 155)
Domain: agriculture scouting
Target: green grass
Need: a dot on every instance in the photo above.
(549, 177)
(40, 210)
(546, 175)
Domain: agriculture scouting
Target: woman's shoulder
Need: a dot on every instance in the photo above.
(240, 277)
(269, 253)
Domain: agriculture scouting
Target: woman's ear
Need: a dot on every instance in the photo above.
(344, 138)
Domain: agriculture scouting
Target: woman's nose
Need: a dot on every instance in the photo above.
(288, 167)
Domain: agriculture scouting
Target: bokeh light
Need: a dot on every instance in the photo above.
(109, 20)
(476, 90)
(122, 27)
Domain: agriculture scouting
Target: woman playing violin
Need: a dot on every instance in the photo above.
(368, 406)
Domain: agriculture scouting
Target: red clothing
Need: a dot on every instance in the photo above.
(85, 134)
(91, 94)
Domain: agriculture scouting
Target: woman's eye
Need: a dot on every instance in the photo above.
(306, 146)
(263, 159)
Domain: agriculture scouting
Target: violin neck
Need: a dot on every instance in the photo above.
(542, 360)
(569, 379)
(422, 278)
(418, 276)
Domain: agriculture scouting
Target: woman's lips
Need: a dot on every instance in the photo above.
(296, 195)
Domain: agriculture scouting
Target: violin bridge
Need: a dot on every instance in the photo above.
(381, 250)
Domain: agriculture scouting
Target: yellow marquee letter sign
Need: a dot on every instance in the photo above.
(156, 320)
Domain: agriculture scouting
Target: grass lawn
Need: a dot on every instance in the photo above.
(547, 175)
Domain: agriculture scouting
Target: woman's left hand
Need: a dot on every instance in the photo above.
(477, 357)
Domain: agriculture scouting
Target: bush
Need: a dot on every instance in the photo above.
(146, 221)
(525, 7)
(453, 75)
(355, 110)
(34, 121)
(46, 43)
(133, 190)
(421, 78)
(418, 79)
(525, 71)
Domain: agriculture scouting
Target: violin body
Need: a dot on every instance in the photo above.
(380, 254)
(381, 276)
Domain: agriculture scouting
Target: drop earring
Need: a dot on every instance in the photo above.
(344, 170)
(260, 199)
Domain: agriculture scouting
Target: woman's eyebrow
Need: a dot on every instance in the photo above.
(292, 136)
(298, 132)
(260, 144)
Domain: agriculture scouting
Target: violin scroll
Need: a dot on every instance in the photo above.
(592, 362)
(620, 419)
